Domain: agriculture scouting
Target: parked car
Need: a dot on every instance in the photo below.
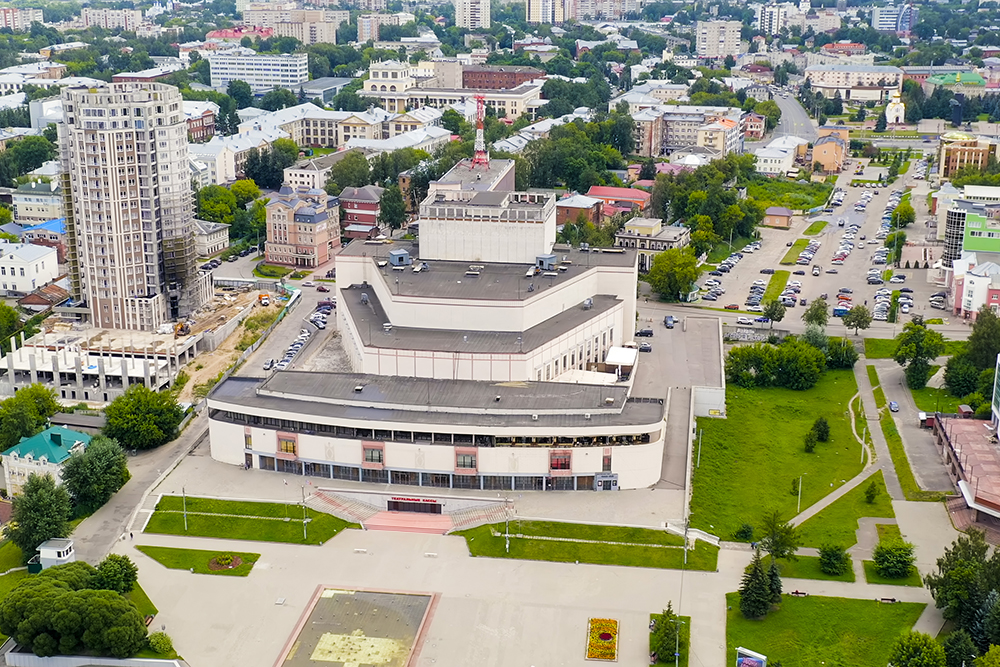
(322, 288)
(732, 306)
(893, 406)
(645, 347)
(668, 321)
(269, 364)
(744, 320)
(644, 333)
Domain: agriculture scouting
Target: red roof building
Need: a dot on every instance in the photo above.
(629, 198)
(845, 49)
(239, 32)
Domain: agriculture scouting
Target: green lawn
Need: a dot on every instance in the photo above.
(872, 375)
(793, 253)
(482, 543)
(7, 584)
(10, 556)
(141, 601)
(682, 659)
(776, 284)
(880, 348)
(581, 531)
(931, 399)
(723, 249)
(271, 271)
(873, 577)
(879, 397)
(911, 490)
(792, 194)
(198, 560)
(813, 630)
(321, 527)
(749, 445)
(888, 531)
(905, 167)
(838, 523)
(816, 227)
(807, 567)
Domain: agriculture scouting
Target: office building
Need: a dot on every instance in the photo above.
(958, 149)
(36, 202)
(302, 228)
(649, 237)
(860, 83)
(19, 19)
(830, 149)
(498, 77)
(263, 72)
(472, 14)
(898, 19)
(552, 12)
(359, 211)
(111, 19)
(200, 119)
(718, 39)
(130, 225)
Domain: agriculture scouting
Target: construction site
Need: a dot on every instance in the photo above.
(94, 365)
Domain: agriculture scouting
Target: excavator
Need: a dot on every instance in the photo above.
(181, 329)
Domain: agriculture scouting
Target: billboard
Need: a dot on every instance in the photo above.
(747, 658)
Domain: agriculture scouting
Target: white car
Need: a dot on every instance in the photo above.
(744, 320)
(308, 283)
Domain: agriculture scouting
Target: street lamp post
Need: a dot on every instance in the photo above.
(677, 640)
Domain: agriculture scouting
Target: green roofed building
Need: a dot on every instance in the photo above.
(41, 454)
(969, 83)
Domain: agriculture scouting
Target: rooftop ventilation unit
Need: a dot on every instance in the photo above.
(387, 328)
(588, 304)
(364, 298)
(534, 418)
(609, 401)
(359, 388)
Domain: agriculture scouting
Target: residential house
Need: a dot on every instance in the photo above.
(360, 208)
(754, 125)
(831, 149)
(24, 267)
(570, 208)
(51, 233)
(200, 119)
(777, 216)
(41, 454)
(44, 298)
(628, 198)
(37, 201)
(210, 237)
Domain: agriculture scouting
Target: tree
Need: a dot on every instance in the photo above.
(665, 628)
(840, 353)
(240, 91)
(964, 576)
(959, 649)
(814, 335)
(893, 558)
(729, 62)
(984, 341)
(452, 121)
(353, 171)
(673, 273)
(817, 313)
(917, 346)
(755, 591)
(960, 375)
(903, 215)
(778, 537)
(267, 167)
(30, 153)
(41, 512)
(821, 428)
(871, 492)
(648, 170)
(917, 650)
(774, 310)
(94, 475)
(895, 242)
(287, 148)
(116, 573)
(216, 203)
(142, 419)
(810, 442)
(882, 122)
(244, 191)
(774, 582)
(834, 560)
(392, 208)
(858, 317)
(25, 413)
(279, 98)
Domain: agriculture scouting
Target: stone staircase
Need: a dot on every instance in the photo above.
(478, 516)
(354, 511)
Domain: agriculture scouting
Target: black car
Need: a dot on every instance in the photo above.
(668, 321)
(723, 269)
(906, 289)
(767, 271)
(644, 333)
(715, 273)
(800, 272)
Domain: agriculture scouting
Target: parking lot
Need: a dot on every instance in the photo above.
(850, 270)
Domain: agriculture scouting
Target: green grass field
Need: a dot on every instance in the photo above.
(814, 630)
(749, 445)
(682, 659)
(872, 375)
(198, 560)
(723, 250)
(838, 523)
(793, 252)
(776, 284)
(7, 584)
(873, 577)
(931, 399)
(816, 227)
(888, 531)
(141, 601)
(807, 567)
(879, 397)
(481, 542)
(901, 463)
(792, 194)
(880, 348)
(286, 526)
(582, 531)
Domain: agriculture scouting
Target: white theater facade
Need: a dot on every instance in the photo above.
(485, 356)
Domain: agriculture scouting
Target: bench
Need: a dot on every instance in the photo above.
(799, 594)
(888, 600)
(149, 619)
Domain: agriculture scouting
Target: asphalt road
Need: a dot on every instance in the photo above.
(794, 120)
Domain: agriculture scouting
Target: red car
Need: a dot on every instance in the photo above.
(732, 306)
(322, 288)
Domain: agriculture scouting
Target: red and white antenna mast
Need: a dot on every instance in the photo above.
(481, 157)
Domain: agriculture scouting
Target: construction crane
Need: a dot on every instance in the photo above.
(481, 157)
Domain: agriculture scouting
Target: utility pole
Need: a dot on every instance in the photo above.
(798, 505)
(305, 519)
(184, 502)
(701, 432)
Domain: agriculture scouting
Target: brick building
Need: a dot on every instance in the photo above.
(360, 208)
(497, 77)
(200, 120)
(301, 227)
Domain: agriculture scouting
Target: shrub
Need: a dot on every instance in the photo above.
(833, 560)
(744, 533)
(871, 492)
(810, 442)
(224, 559)
(159, 643)
(893, 558)
(822, 429)
(795, 486)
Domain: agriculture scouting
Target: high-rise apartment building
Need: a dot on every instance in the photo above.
(130, 229)
(111, 19)
(718, 39)
(546, 11)
(892, 18)
(263, 72)
(19, 19)
(472, 14)
(772, 18)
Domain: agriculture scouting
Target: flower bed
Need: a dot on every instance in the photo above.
(602, 639)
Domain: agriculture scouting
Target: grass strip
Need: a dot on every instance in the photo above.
(482, 543)
(141, 601)
(879, 397)
(793, 253)
(818, 630)
(776, 284)
(7, 584)
(218, 506)
(872, 375)
(838, 523)
(581, 531)
(816, 227)
(723, 249)
(911, 490)
(807, 567)
(198, 560)
(935, 399)
(321, 527)
(873, 577)
(888, 531)
(684, 648)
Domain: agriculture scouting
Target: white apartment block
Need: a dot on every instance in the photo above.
(372, 5)
(718, 39)
(111, 19)
(269, 15)
(132, 257)
(19, 19)
(546, 11)
(855, 82)
(24, 267)
(262, 72)
(37, 202)
(772, 18)
(308, 32)
(472, 14)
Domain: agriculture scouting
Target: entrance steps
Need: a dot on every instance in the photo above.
(347, 509)
(410, 522)
(474, 517)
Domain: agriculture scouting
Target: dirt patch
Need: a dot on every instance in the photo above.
(215, 565)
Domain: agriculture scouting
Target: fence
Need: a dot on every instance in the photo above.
(15, 659)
